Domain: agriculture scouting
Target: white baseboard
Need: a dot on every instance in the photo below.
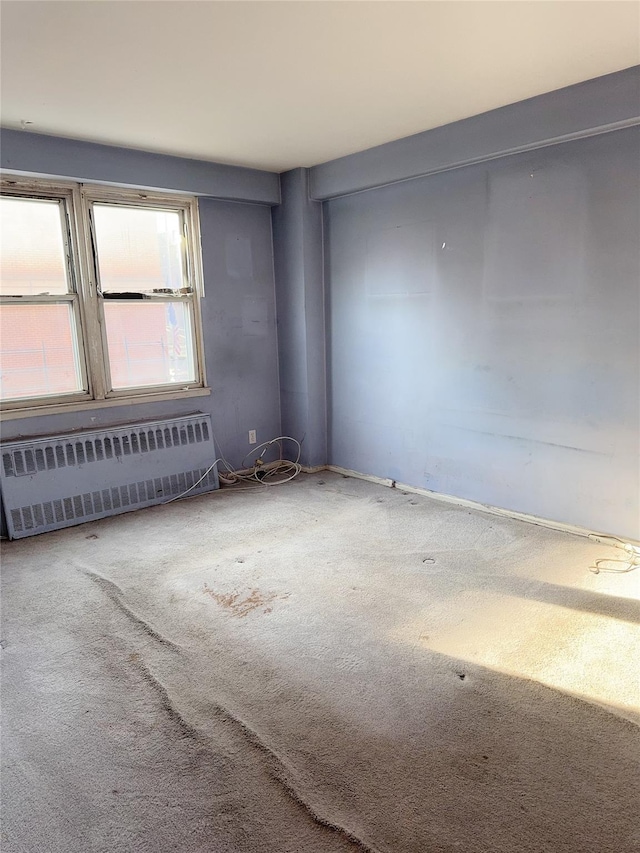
(313, 469)
(381, 481)
(487, 508)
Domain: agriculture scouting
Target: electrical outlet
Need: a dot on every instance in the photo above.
(252, 436)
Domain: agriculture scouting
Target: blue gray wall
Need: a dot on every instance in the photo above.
(46, 156)
(483, 332)
(606, 103)
(240, 324)
(298, 248)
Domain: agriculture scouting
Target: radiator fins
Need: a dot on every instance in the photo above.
(55, 482)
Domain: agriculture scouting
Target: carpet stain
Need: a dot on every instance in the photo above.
(241, 604)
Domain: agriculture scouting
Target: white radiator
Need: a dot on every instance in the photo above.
(62, 480)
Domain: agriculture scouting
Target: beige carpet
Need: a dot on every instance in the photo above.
(319, 667)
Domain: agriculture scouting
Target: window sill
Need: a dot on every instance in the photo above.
(87, 405)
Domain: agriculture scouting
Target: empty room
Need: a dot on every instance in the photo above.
(320, 411)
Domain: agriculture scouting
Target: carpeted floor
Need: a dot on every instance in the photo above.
(321, 667)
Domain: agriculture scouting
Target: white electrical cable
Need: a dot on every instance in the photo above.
(261, 473)
(197, 483)
(629, 564)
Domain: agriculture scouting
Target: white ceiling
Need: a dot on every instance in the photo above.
(283, 84)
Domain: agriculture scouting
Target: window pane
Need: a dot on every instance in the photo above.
(150, 343)
(139, 249)
(38, 353)
(32, 259)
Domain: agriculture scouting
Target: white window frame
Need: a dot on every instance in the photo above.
(82, 265)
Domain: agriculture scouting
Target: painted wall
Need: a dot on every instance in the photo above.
(584, 109)
(483, 332)
(238, 314)
(297, 244)
(23, 152)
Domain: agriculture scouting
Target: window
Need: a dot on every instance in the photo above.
(99, 296)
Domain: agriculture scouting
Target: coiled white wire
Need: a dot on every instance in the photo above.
(616, 565)
(262, 473)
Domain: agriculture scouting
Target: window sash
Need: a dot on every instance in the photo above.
(77, 342)
(85, 296)
(141, 389)
(184, 253)
(62, 201)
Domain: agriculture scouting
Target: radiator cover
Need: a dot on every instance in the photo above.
(62, 480)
